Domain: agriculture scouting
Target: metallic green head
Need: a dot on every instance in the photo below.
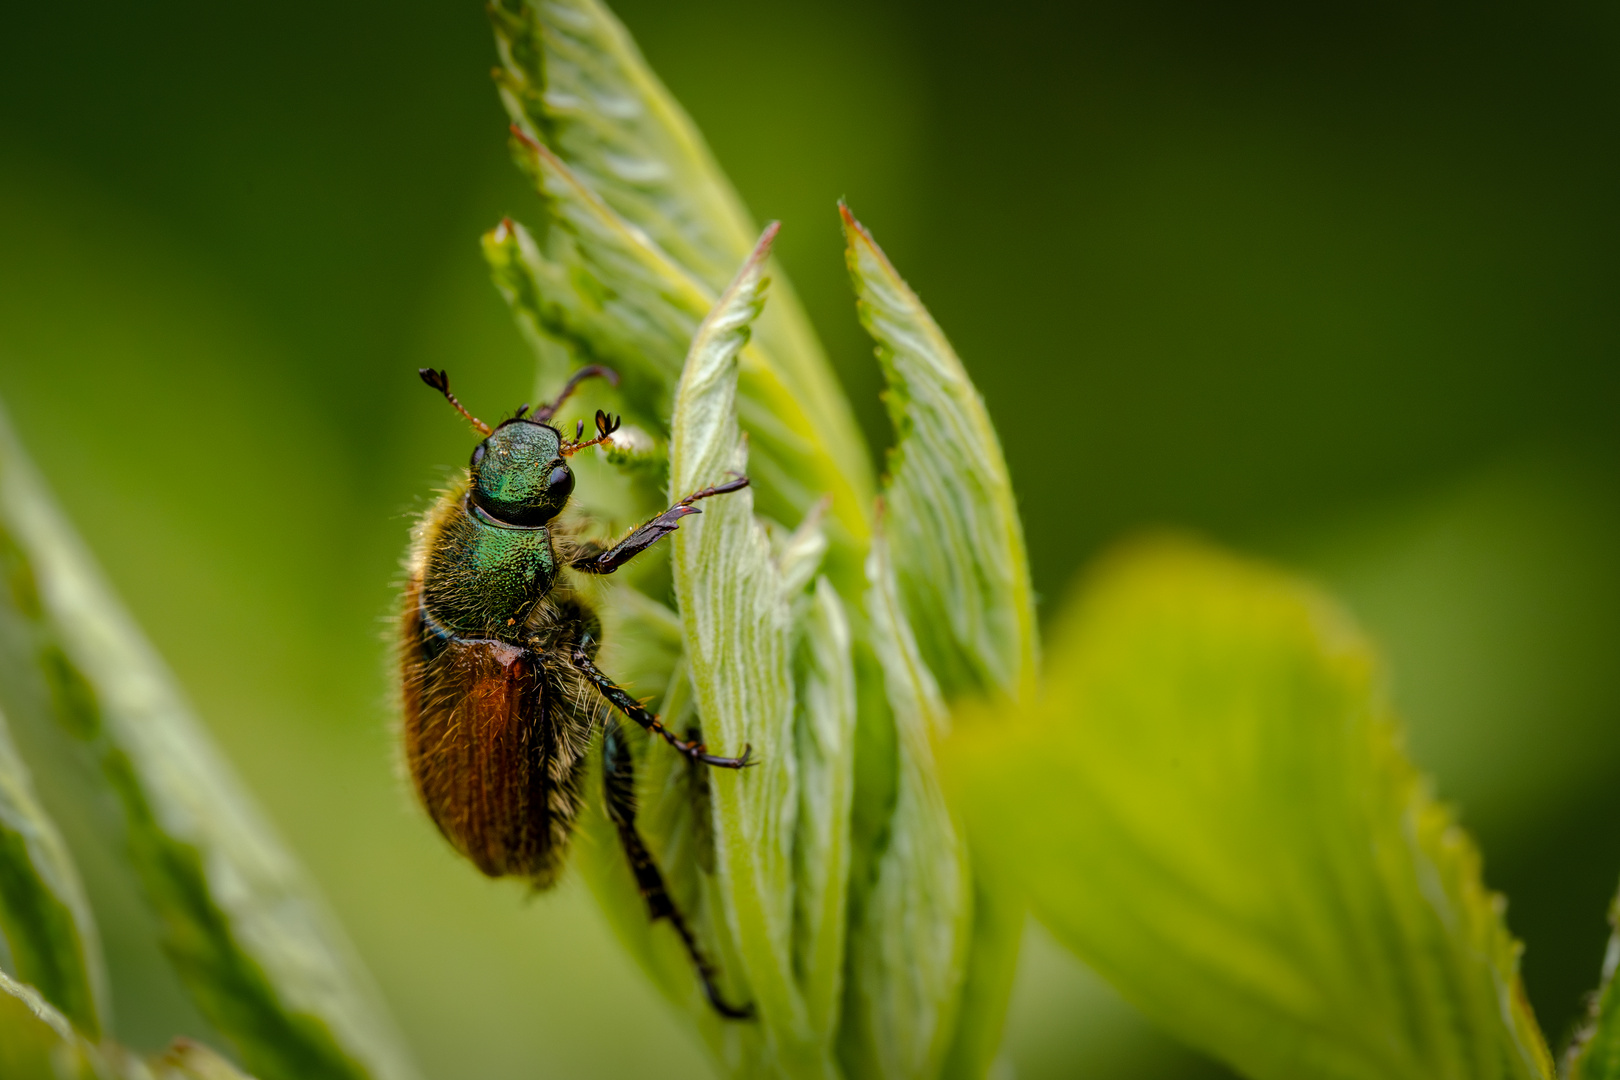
(519, 476)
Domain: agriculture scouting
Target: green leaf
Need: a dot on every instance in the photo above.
(956, 541)
(38, 1043)
(1594, 1054)
(44, 916)
(1209, 804)
(911, 925)
(961, 572)
(597, 286)
(572, 78)
(736, 624)
(249, 936)
(824, 740)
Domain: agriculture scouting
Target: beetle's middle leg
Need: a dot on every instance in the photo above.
(621, 700)
(618, 786)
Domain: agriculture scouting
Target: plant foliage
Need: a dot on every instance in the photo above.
(843, 894)
(251, 941)
(1201, 791)
(1211, 806)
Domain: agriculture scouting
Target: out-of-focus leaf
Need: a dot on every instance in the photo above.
(250, 938)
(736, 624)
(911, 926)
(44, 916)
(38, 1043)
(987, 984)
(187, 1060)
(1210, 805)
(571, 76)
(600, 288)
(955, 540)
(1594, 1054)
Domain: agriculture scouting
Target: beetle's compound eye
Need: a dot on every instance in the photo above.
(559, 485)
(478, 454)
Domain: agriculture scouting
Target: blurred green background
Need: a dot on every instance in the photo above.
(1333, 283)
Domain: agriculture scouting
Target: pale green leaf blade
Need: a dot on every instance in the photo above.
(1211, 807)
(912, 927)
(45, 919)
(572, 78)
(598, 287)
(1594, 1054)
(825, 738)
(955, 537)
(736, 625)
(245, 929)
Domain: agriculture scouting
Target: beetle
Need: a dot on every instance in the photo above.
(500, 688)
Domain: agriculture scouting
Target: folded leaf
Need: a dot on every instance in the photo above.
(824, 738)
(571, 74)
(736, 625)
(961, 572)
(1594, 1054)
(252, 941)
(598, 287)
(1209, 804)
(955, 539)
(572, 78)
(44, 917)
(911, 924)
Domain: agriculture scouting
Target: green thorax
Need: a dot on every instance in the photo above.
(481, 577)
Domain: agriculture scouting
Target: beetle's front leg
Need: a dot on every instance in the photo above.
(596, 560)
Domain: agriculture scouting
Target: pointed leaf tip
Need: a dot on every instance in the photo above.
(958, 544)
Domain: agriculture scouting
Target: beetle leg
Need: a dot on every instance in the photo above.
(596, 560)
(618, 785)
(632, 708)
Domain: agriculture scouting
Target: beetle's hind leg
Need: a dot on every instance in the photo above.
(632, 708)
(619, 789)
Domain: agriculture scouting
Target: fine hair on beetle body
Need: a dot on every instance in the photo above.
(500, 690)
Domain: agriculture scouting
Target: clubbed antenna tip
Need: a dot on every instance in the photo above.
(440, 381)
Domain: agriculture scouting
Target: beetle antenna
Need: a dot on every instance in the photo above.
(605, 426)
(546, 412)
(440, 381)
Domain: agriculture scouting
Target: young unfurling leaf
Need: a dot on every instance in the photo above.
(956, 541)
(950, 583)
